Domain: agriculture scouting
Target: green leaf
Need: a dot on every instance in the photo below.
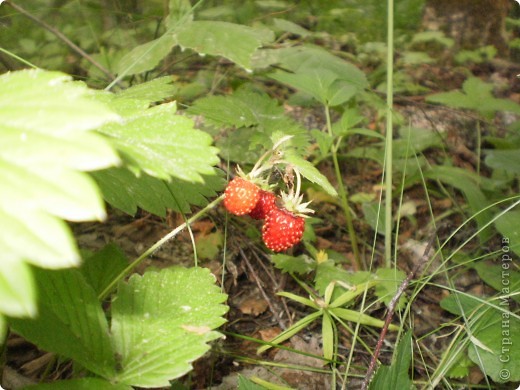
(289, 332)
(103, 266)
(303, 59)
(162, 321)
(299, 265)
(232, 41)
(69, 307)
(163, 144)
(507, 225)
(374, 216)
(363, 319)
(327, 334)
(508, 160)
(502, 277)
(149, 92)
(79, 384)
(246, 384)
(17, 295)
(494, 333)
(352, 293)
(396, 375)
(389, 281)
(288, 26)
(476, 95)
(310, 172)
(44, 123)
(146, 56)
(123, 190)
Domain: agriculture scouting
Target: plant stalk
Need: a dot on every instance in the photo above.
(343, 193)
(104, 294)
(389, 133)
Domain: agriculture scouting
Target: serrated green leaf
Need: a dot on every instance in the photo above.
(300, 265)
(70, 321)
(123, 190)
(103, 266)
(49, 103)
(44, 123)
(476, 95)
(151, 91)
(300, 59)
(79, 384)
(310, 172)
(396, 375)
(163, 144)
(146, 56)
(162, 321)
(232, 41)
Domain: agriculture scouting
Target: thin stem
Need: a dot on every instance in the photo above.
(157, 245)
(389, 133)
(343, 193)
(61, 36)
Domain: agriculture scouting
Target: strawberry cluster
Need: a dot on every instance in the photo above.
(283, 216)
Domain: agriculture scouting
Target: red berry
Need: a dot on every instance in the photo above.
(265, 204)
(241, 196)
(282, 229)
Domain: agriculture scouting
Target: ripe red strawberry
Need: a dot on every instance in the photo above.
(264, 205)
(241, 196)
(282, 229)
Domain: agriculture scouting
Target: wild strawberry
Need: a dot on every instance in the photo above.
(282, 229)
(265, 204)
(241, 196)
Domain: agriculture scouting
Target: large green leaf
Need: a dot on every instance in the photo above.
(44, 123)
(128, 192)
(162, 321)
(232, 41)
(146, 56)
(70, 321)
(163, 144)
(476, 95)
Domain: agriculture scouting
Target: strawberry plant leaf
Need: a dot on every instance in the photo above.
(162, 321)
(69, 307)
(145, 57)
(100, 268)
(128, 192)
(310, 172)
(163, 144)
(299, 265)
(44, 123)
(80, 384)
(16, 300)
(232, 41)
(151, 91)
